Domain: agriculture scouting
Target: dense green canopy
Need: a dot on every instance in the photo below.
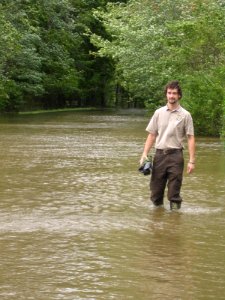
(153, 42)
(45, 60)
(66, 53)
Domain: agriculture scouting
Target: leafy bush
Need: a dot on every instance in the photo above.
(155, 42)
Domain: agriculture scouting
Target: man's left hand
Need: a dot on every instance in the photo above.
(190, 167)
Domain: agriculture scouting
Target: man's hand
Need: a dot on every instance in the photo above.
(148, 145)
(190, 167)
(143, 158)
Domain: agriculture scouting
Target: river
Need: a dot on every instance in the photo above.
(76, 221)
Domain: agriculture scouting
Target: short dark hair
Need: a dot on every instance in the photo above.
(173, 85)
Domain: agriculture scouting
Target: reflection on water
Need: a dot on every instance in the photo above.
(76, 221)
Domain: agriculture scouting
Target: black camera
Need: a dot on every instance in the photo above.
(146, 168)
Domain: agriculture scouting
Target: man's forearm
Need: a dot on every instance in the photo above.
(191, 148)
(149, 143)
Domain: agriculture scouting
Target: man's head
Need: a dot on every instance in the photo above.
(173, 92)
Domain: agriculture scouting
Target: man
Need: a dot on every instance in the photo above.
(168, 128)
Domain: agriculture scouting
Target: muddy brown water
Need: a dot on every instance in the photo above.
(76, 221)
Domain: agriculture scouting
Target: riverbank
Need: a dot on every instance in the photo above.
(120, 111)
(34, 112)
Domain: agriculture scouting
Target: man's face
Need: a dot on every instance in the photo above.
(172, 96)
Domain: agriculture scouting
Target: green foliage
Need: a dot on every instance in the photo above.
(45, 54)
(154, 42)
(9, 47)
(204, 97)
(49, 61)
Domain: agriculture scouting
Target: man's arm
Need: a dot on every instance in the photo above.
(148, 145)
(191, 149)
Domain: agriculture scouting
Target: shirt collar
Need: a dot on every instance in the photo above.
(177, 109)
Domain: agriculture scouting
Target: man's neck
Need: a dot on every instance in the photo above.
(173, 106)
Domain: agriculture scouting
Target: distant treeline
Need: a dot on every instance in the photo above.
(79, 53)
(46, 59)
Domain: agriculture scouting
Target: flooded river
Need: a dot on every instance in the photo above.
(76, 221)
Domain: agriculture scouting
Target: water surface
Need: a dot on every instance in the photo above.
(76, 221)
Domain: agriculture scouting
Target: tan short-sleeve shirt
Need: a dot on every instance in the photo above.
(170, 127)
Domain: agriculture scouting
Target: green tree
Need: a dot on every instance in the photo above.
(46, 58)
(153, 42)
(9, 46)
(59, 49)
(24, 76)
(54, 64)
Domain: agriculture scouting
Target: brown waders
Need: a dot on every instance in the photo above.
(168, 166)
